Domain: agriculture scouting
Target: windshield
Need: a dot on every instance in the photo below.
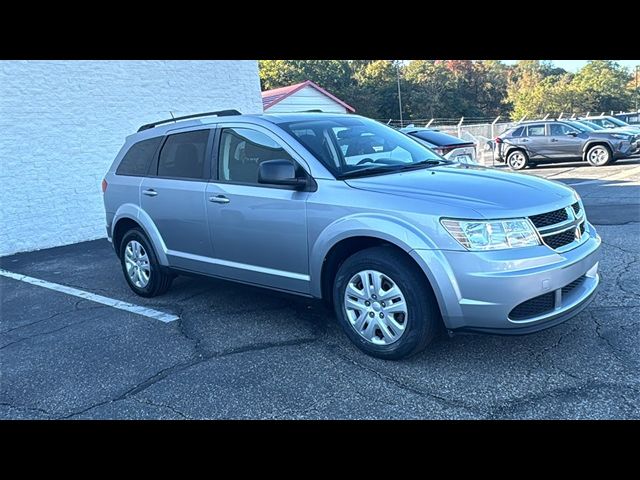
(580, 126)
(592, 125)
(355, 146)
(617, 121)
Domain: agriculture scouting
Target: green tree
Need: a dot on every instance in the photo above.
(376, 89)
(333, 75)
(430, 89)
(536, 88)
(603, 85)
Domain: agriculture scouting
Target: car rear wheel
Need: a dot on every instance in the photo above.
(140, 265)
(384, 303)
(599, 155)
(517, 160)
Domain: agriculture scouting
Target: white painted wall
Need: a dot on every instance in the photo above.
(63, 122)
(307, 98)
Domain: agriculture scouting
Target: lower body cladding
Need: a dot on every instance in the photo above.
(513, 291)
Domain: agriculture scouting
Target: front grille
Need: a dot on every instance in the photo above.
(560, 239)
(550, 218)
(576, 283)
(576, 208)
(534, 307)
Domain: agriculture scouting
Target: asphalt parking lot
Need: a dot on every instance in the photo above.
(242, 352)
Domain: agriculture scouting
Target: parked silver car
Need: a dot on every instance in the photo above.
(605, 122)
(340, 207)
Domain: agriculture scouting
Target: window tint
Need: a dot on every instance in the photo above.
(242, 150)
(560, 129)
(136, 161)
(535, 130)
(182, 155)
(518, 132)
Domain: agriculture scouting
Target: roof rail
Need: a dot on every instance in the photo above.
(219, 113)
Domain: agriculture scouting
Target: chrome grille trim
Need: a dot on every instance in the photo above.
(576, 221)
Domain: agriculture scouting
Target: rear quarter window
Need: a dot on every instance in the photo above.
(137, 160)
(517, 132)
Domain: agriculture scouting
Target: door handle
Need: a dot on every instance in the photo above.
(219, 199)
(525, 140)
(554, 139)
(150, 192)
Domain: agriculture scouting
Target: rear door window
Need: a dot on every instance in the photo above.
(183, 154)
(137, 160)
(535, 130)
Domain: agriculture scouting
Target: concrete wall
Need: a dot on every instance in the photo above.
(63, 122)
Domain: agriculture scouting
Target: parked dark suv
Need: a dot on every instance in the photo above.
(550, 141)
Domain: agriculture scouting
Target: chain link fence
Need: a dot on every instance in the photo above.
(479, 130)
(482, 130)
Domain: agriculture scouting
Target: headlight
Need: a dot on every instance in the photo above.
(620, 136)
(492, 235)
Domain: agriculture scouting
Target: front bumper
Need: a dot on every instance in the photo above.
(623, 149)
(479, 290)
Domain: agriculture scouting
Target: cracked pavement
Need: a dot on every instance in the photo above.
(242, 352)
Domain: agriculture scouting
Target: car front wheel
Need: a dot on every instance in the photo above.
(384, 303)
(599, 156)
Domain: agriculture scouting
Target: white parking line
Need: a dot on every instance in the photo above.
(111, 302)
(585, 182)
(616, 176)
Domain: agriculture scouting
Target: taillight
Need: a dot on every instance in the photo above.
(498, 140)
(104, 185)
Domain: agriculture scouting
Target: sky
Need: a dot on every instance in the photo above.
(575, 65)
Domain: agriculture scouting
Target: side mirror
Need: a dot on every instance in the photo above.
(572, 134)
(280, 172)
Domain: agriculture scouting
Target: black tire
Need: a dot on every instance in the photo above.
(423, 315)
(514, 159)
(159, 278)
(604, 158)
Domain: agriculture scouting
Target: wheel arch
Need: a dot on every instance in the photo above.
(514, 148)
(348, 236)
(131, 216)
(592, 143)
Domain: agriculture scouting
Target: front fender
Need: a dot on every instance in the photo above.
(135, 213)
(384, 227)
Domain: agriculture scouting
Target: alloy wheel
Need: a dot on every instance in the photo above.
(598, 156)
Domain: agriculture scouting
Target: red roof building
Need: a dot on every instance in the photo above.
(303, 97)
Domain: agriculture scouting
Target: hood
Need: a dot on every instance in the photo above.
(489, 192)
(624, 130)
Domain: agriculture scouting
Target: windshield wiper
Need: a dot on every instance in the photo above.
(364, 172)
(422, 163)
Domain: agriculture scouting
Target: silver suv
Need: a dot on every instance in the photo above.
(399, 240)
